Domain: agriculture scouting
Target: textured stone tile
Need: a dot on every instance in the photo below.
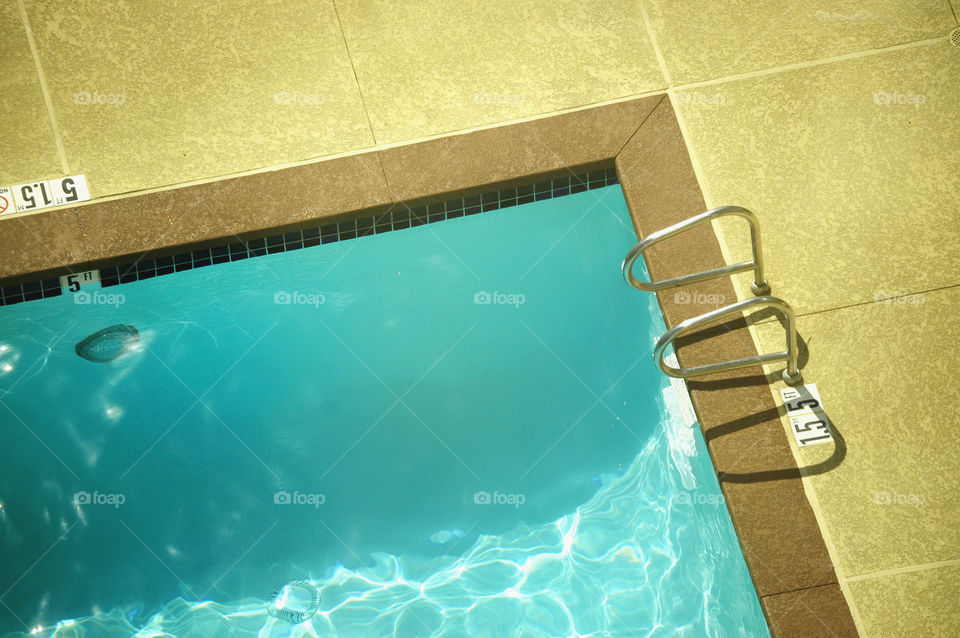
(708, 40)
(433, 67)
(884, 373)
(854, 198)
(923, 603)
(28, 151)
(153, 94)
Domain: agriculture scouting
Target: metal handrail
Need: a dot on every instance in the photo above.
(759, 286)
(791, 374)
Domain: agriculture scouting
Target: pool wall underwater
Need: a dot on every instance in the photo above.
(400, 420)
(641, 139)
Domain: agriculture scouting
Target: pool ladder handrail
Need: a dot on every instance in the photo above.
(791, 374)
(759, 286)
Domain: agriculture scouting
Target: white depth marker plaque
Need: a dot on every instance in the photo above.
(806, 416)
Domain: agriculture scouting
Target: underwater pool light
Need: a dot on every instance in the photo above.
(108, 344)
(295, 602)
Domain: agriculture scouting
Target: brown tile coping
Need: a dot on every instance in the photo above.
(806, 612)
(582, 139)
(761, 483)
(41, 242)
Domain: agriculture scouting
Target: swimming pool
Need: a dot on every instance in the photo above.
(455, 429)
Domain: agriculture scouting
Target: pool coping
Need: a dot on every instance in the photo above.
(761, 483)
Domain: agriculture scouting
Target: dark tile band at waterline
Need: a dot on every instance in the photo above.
(29, 291)
(399, 218)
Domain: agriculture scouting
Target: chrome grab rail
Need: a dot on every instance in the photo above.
(759, 285)
(791, 374)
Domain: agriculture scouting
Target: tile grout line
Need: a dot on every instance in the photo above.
(905, 570)
(639, 126)
(821, 311)
(809, 489)
(48, 102)
(83, 235)
(698, 172)
(353, 68)
(520, 120)
(797, 589)
(812, 63)
(814, 313)
(654, 44)
(684, 132)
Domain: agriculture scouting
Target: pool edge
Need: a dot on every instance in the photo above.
(761, 482)
(762, 485)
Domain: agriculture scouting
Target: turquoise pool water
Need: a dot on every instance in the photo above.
(451, 430)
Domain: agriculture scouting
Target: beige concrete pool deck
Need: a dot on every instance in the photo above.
(835, 122)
